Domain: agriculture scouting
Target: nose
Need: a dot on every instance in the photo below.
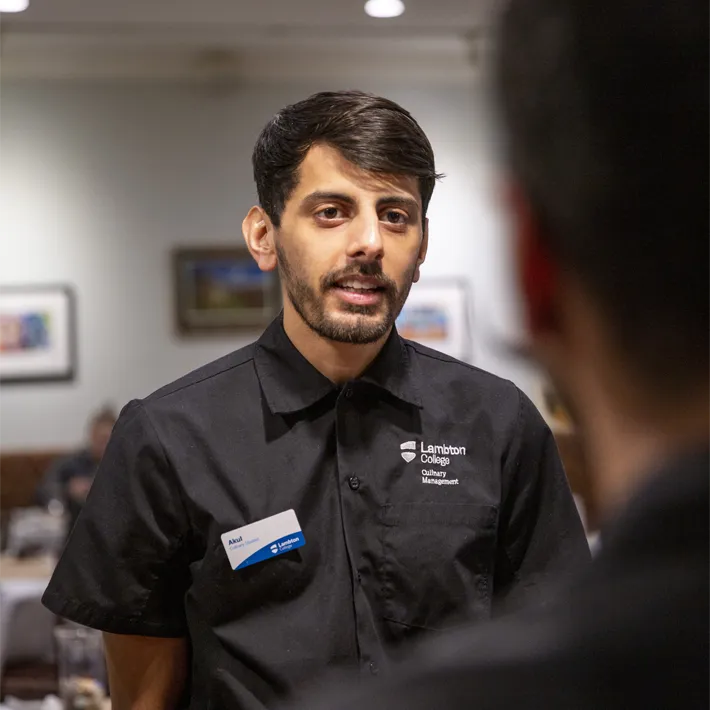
(366, 242)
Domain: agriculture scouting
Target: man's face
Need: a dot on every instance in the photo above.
(349, 247)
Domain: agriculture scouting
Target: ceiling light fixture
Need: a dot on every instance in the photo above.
(14, 5)
(384, 8)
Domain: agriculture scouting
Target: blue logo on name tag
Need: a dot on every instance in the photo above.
(272, 549)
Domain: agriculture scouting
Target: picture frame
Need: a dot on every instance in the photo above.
(437, 314)
(37, 334)
(221, 290)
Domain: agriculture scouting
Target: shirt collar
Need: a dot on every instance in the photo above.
(396, 370)
(290, 383)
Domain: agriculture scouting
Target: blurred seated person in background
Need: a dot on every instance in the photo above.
(69, 479)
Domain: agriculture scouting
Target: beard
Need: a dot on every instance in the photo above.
(366, 324)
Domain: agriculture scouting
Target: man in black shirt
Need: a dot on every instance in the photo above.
(606, 110)
(332, 491)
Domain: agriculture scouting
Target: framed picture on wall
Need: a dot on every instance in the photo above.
(436, 314)
(37, 334)
(222, 290)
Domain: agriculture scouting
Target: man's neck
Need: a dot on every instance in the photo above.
(339, 362)
(624, 449)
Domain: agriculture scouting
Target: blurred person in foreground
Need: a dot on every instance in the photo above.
(604, 105)
(68, 480)
(324, 495)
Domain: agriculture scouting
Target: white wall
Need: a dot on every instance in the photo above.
(99, 183)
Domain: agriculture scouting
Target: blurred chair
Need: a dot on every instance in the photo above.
(26, 626)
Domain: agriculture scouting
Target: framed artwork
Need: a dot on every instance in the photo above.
(436, 314)
(222, 290)
(37, 334)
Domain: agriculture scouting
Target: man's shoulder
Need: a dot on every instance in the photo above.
(448, 367)
(638, 615)
(647, 635)
(213, 374)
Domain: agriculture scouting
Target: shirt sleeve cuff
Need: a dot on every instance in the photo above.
(88, 615)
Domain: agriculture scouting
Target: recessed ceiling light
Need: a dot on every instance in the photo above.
(384, 8)
(14, 5)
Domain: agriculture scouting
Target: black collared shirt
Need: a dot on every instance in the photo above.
(426, 489)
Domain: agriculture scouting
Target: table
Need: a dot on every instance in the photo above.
(29, 568)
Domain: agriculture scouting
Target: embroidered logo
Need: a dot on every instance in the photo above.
(437, 454)
(408, 450)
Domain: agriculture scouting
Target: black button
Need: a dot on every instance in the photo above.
(374, 669)
(348, 392)
(354, 482)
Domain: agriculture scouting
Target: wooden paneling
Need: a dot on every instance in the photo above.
(20, 474)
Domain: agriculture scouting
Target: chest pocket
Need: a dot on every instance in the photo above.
(436, 565)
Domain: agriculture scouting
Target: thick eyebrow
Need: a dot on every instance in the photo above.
(316, 197)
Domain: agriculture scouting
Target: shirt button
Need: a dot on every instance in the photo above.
(374, 669)
(348, 392)
(354, 482)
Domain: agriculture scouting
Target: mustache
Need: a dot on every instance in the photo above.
(371, 270)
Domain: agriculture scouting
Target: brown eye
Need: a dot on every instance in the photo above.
(329, 214)
(394, 217)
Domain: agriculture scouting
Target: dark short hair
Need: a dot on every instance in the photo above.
(375, 134)
(604, 107)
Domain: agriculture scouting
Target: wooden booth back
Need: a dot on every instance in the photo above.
(20, 475)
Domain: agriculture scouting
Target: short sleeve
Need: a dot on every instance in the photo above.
(542, 540)
(124, 569)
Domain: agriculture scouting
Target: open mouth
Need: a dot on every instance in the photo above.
(360, 291)
(359, 285)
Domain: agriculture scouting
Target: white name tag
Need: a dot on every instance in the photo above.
(265, 538)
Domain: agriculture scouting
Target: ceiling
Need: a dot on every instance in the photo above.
(100, 15)
(261, 38)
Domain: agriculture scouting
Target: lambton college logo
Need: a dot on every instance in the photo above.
(437, 454)
(408, 449)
